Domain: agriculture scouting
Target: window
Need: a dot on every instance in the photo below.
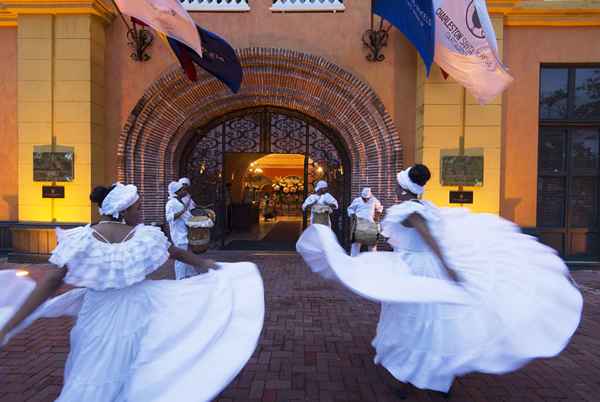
(568, 210)
(215, 5)
(307, 5)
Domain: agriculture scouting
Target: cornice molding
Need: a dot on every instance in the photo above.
(14, 8)
(571, 13)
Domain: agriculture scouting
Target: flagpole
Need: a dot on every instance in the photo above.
(121, 14)
(461, 140)
(372, 16)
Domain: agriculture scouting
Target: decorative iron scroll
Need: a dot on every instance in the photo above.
(288, 134)
(205, 167)
(242, 134)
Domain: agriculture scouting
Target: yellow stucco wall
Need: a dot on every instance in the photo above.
(445, 113)
(61, 91)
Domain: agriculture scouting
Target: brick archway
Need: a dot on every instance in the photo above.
(309, 84)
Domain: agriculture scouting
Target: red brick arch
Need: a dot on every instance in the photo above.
(305, 83)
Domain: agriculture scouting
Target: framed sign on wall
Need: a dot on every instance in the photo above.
(460, 170)
(53, 163)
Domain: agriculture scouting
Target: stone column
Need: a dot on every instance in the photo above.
(440, 125)
(61, 94)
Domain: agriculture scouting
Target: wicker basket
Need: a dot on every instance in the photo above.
(365, 232)
(320, 214)
(199, 233)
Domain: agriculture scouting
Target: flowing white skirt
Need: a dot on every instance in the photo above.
(159, 340)
(516, 303)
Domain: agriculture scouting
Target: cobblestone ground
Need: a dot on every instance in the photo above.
(316, 347)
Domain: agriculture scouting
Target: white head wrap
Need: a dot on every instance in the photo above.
(185, 181)
(320, 185)
(406, 183)
(119, 199)
(174, 187)
(366, 192)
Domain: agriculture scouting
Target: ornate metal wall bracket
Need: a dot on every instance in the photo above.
(140, 39)
(375, 40)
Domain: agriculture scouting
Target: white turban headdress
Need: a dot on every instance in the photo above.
(185, 181)
(320, 185)
(174, 187)
(366, 192)
(119, 199)
(406, 183)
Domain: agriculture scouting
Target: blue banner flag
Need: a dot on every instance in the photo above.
(414, 18)
(218, 58)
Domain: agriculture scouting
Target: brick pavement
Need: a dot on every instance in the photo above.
(316, 347)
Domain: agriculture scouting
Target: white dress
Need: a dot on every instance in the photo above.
(140, 340)
(179, 234)
(516, 303)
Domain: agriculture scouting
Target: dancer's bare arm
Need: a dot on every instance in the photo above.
(191, 258)
(43, 290)
(417, 222)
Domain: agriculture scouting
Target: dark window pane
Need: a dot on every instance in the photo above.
(584, 150)
(587, 94)
(582, 202)
(551, 202)
(553, 93)
(552, 151)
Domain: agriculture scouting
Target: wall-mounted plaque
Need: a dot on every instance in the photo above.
(53, 192)
(462, 170)
(461, 197)
(53, 163)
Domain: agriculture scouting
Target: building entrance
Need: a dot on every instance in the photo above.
(256, 166)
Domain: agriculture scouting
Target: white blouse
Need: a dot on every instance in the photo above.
(98, 265)
(365, 210)
(403, 238)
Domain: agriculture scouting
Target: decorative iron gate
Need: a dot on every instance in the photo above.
(267, 130)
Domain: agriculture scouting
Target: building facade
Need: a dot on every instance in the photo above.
(69, 83)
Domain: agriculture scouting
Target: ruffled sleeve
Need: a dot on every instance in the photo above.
(328, 199)
(70, 243)
(397, 214)
(310, 200)
(98, 265)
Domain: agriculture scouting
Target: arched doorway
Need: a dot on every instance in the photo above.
(150, 147)
(218, 156)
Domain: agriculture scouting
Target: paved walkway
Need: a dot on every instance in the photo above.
(316, 347)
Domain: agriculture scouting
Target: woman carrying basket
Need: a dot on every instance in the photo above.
(321, 204)
(363, 211)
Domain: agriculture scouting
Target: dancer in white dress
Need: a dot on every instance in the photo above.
(139, 340)
(364, 207)
(320, 197)
(516, 300)
(177, 213)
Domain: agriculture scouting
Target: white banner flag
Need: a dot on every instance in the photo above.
(466, 48)
(166, 16)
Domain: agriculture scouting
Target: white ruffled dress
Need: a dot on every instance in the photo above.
(517, 301)
(140, 340)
